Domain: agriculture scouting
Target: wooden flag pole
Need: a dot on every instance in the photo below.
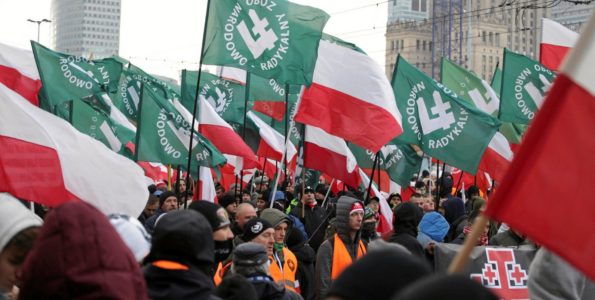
(462, 258)
(196, 97)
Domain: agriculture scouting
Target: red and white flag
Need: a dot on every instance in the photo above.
(556, 41)
(46, 160)
(330, 154)
(206, 189)
(497, 157)
(272, 143)
(222, 135)
(18, 72)
(560, 138)
(385, 223)
(351, 98)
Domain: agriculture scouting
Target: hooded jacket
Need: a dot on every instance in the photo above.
(79, 255)
(181, 254)
(433, 225)
(405, 221)
(454, 213)
(324, 256)
(306, 263)
(312, 219)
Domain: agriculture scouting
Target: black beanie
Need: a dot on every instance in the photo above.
(214, 213)
(446, 287)
(226, 200)
(255, 227)
(164, 196)
(236, 287)
(386, 272)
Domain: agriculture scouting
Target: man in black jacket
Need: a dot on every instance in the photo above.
(312, 216)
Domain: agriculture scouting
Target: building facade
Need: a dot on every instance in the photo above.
(573, 16)
(89, 28)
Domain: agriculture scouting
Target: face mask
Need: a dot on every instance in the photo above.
(222, 250)
(368, 229)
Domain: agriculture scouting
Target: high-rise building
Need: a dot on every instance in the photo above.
(572, 15)
(89, 28)
(408, 10)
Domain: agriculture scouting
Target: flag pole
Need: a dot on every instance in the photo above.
(287, 141)
(286, 126)
(459, 181)
(372, 175)
(177, 186)
(462, 258)
(327, 192)
(246, 97)
(196, 97)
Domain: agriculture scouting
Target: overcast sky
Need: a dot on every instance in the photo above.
(164, 37)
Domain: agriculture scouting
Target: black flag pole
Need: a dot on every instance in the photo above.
(287, 114)
(196, 97)
(372, 175)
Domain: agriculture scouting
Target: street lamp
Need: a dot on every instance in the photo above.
(39, 25)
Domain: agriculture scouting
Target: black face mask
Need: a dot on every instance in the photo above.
(368, 230)
(222, 250)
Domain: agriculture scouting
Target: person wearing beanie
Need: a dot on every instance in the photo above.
(378, 276)
(133, 234)
(79, 255)
(256, 230)
(179, 265)
(446, 287)
(344, 247)
(306, 257)
(251, 261)
(312, 215)
(167, 202)
(19, 228)
(222, 235)
(406, 218)
(369, 226)
(228, 202)
(284, 265)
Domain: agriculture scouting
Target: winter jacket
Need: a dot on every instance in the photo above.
(181, 257)
(312, 219)
(79, 255)
(267, 289)
(507, 239)
(324, 256)
(306, 264)
(150, 222)
(405, 221)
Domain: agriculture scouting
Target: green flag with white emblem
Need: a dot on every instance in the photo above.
(512, 132)
(163, 135)
(438, 121)
(524, 85)
(271, 38)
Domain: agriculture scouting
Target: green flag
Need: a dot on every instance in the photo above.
(273, 39)
(163, 135)
(478, 93)
(524, 84)
(96, 124)
(399, 161)
(443, 125)
(129, 88)
(497, 81)
(226, 97)
(67, 77)
(110, 69)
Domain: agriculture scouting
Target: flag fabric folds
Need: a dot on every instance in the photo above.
(556, 41)
(45, 160)
(272, 143)
(19, 73)
(385, 222)
(274, 39)
(524, 84)
(438, 121)
(330, 154)
(560, 138)
(350, 98)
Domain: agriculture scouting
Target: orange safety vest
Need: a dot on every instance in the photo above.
(221, 269)
(341, 258)
(285, 275)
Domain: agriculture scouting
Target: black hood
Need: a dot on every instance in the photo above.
(183, 236)
(407, 217)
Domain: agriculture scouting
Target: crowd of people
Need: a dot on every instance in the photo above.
(297, 243)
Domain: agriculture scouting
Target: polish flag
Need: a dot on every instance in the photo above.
(351, 98)
(560, 138)
(18, 72)
(222, 135)
(206, 189)
(272, 143)
(496, 157)
(330, 154)
(46, 160)
(556, 40)
(273, 109)
(156, 171)
(385, 223)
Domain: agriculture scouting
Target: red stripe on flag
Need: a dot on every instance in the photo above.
(23, 85)
(331, 163)
(559, 139)
(265, 150)
(346, 114)
(32, 172)
(494, 164)
(551, 56)
(227, 141)
(273, 109)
